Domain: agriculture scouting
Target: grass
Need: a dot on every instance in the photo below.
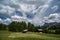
(6, 35)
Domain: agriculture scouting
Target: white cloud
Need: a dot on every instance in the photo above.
(7, 21)
(31, 0)
(46, 5)
(27, 7)
(6, 10)
(55, 7)
(41, 10)
(54, 15)
(52, 18)
(1, 20)
(17, 18)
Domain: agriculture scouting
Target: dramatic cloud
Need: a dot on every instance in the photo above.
(52, 18)
(27, 7)
(54, 8)
(17, 18)
(0, 20)
(6, 10)
(34, 11)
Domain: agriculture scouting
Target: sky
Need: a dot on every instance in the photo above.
(37, 12)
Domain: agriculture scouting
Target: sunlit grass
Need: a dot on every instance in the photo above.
(6, 35)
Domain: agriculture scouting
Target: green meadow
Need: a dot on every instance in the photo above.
(6, 35)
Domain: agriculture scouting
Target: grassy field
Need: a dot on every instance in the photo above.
(6, 35)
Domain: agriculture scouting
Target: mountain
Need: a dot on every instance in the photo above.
(57, 24)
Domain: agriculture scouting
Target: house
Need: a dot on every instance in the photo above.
(25, 30)
(40, 30)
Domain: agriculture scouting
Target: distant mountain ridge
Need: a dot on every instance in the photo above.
(52, 24)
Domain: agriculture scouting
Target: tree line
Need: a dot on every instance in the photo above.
(20, 26)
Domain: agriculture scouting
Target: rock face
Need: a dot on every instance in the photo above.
(51, 24)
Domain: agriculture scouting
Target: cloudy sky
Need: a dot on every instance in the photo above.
(35, 11)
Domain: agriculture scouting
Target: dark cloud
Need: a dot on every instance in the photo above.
(32, 11)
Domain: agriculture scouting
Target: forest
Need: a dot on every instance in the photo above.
(21, 26)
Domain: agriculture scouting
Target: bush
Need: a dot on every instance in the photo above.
(57, 31)
(45, 31)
